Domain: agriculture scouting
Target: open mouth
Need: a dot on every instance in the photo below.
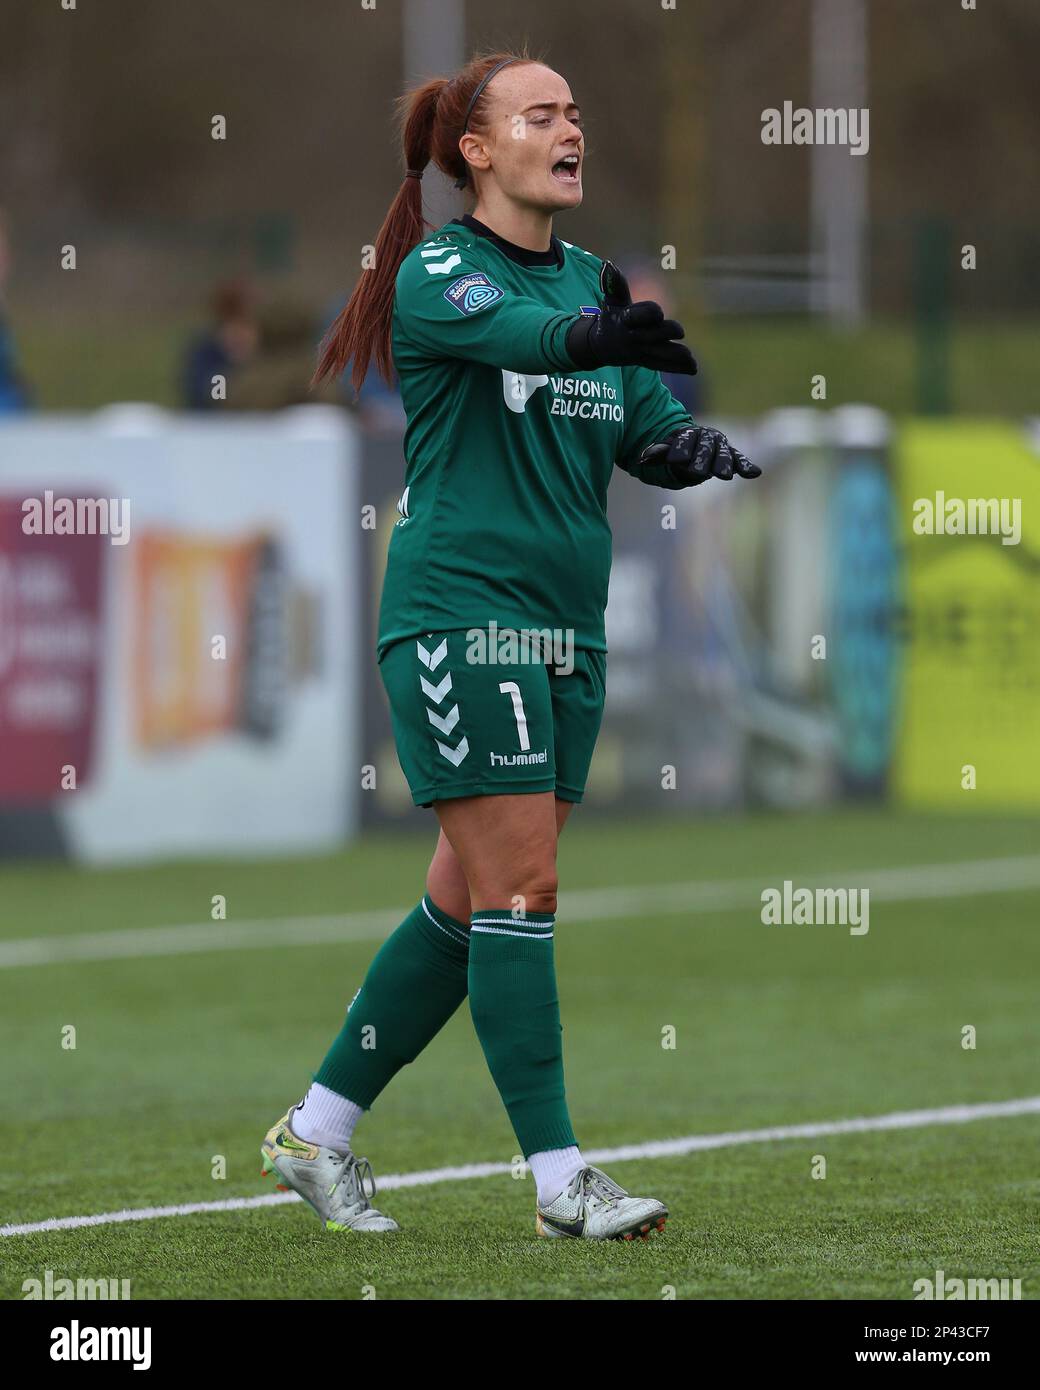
(566, 169)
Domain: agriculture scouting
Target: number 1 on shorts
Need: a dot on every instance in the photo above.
(512, 689)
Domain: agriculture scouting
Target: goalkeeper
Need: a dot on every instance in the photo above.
(527, 376)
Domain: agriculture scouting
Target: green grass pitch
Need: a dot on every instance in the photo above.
(181, 1058)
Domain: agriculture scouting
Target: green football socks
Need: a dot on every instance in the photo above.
(516, 1012)
(415, 983)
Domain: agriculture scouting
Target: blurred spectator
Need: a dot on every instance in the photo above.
(279, 372)
(14, 392)
(228, 344)
(646, 281)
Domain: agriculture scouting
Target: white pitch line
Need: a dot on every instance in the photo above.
(659, 1148)
(955, 880)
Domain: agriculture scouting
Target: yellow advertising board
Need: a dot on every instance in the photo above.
(969, 517)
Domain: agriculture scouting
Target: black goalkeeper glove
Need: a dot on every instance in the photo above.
(696, 453)
(624, 334)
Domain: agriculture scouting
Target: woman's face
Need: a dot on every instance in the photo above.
(533, 145)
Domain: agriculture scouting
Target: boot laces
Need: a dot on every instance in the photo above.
(594, 1183)
(358, 1175)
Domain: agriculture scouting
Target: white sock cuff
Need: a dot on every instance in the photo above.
(553, 1170)
(327, 1118)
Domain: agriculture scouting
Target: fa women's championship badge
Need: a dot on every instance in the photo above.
(471, 293)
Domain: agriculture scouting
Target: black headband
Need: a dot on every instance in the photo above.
(462, 182)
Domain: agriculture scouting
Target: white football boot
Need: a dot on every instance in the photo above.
(335, 1185)
(594, 1207)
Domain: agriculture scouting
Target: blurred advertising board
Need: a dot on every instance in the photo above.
(969, 503)
(793, 641)
(762, 612)
(50, 613)
(177, 616)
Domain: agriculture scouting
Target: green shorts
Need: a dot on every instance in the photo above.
(467, 729)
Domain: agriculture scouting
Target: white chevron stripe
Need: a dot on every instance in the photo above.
(447, 723)
(436, 693)
(454, 755)
(445, 267)
(433, 659)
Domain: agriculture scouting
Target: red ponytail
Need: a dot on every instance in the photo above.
(432, 118)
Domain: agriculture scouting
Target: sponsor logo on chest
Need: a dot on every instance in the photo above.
(580, 397)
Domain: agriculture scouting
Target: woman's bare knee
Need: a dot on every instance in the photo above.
(507, 848)
(446, 881)
(527, 884)
(540, 896)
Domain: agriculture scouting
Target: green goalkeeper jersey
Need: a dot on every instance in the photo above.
(509, 449)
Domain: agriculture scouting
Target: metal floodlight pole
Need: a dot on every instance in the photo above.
(838, 178)
(434, 43)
